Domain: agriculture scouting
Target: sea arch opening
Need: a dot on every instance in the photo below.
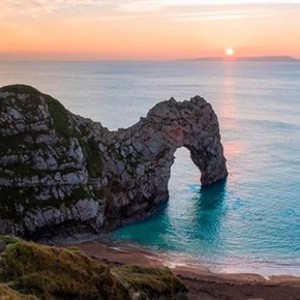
(193, 207)
(185, 174)
(184, 182)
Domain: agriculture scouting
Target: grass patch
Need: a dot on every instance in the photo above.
(9, 239)
(94, 160)
(20, 89)
(157, 282)
(60, 117)
(53, 273)
(43, 272)
(7, 293)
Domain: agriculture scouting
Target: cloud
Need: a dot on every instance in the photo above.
(217, 15)
(202, 10)
(125, 6)
(141, 6)
(32, 7)
(190, 10)
(136, 6)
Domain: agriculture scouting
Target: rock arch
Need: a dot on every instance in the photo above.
(152, 142)
(194, 125)
(57, 168)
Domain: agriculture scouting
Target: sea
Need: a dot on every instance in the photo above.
(248, 223)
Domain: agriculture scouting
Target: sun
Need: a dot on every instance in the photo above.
(229, 52)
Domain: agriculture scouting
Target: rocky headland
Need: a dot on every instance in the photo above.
(59, 170)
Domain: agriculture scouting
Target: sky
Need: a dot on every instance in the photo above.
(147, 29)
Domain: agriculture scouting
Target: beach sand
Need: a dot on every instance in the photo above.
(201, 282)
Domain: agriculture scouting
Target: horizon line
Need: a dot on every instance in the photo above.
(220, 58)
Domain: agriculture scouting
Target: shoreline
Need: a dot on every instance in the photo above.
(168, 259)
(202, 282)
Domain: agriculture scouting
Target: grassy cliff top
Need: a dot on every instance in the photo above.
(19, 89)
(33, 271)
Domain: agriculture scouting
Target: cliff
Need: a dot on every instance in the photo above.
(60, 170)
(33, 271)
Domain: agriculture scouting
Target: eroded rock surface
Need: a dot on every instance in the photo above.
(57, 168)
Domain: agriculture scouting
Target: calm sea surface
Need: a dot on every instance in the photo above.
(249, 223)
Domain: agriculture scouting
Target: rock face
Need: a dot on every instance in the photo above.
(60, 169)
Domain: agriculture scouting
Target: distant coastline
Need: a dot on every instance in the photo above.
(247, 58)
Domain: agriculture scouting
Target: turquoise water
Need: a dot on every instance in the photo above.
(249, 223)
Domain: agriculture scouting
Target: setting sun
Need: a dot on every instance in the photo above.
(229, 51)
(164, 29)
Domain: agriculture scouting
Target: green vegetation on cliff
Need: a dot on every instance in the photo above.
(60, 117)
(33, 271)
(7, 293)
(20, 89)
(151, 281)
(38, 132)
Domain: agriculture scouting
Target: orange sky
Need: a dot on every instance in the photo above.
(144, 29)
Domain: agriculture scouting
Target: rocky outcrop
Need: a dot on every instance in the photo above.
(59, 169)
